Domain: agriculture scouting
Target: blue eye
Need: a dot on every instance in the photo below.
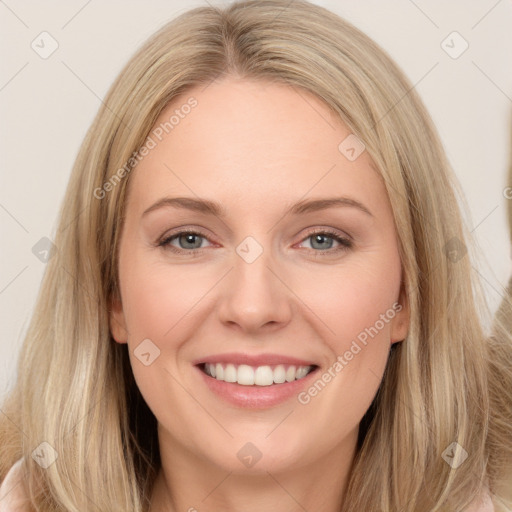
(320, 237)
(190, 242)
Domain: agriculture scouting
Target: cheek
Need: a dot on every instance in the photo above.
(158, 301)
(356, 304)
(354, 297)
(158, 297)
(348, 297)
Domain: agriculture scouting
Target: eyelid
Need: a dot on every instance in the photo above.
(345, 240)
(165, 239)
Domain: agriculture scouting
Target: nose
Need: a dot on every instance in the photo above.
(254, 297)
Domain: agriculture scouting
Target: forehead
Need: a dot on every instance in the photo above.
(240, 140)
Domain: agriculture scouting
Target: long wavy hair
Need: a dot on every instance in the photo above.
(447, 382)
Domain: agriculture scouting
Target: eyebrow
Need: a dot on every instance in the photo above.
(211, 207)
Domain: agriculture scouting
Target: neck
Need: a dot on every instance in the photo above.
(189, 483)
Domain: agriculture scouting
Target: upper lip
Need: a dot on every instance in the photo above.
(253, 360)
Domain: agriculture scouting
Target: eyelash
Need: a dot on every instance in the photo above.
(345, 243)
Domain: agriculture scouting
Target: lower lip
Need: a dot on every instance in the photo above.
(256, 397)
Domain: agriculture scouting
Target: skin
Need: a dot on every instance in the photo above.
(256, 148)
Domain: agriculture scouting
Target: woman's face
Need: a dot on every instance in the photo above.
(267, 181)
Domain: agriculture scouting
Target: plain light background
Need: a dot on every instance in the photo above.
(47, 105)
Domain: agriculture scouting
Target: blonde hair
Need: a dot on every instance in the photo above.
(500, 366)
(447, 382)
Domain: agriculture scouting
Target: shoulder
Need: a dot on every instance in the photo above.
(482, 504)
(12, 492)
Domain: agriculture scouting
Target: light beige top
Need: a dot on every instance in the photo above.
(12, 494)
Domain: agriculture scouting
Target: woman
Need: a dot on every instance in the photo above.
(257, 369)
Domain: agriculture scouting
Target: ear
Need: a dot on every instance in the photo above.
(400, 323)
(117, 321)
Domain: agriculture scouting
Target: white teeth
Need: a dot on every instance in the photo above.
(263, 376)
(245, 375)
(279, 374)
(260, 376)
(230, 374)
(301, 372)
(290, 374)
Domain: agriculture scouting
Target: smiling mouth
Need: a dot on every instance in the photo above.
(246, 375)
